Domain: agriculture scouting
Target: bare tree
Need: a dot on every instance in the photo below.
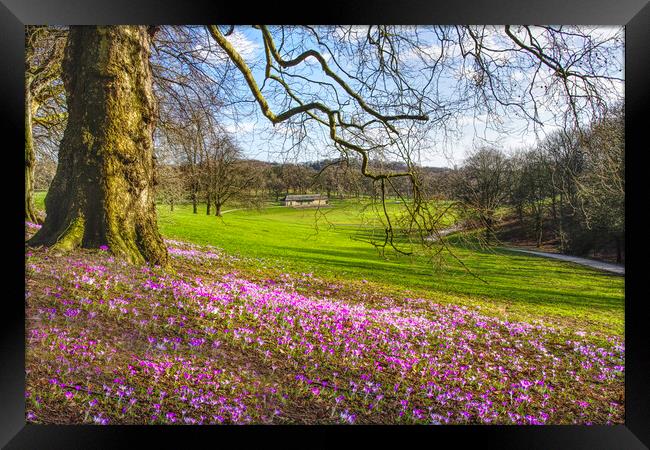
(577, 177)
(44, 98)
(601, 185)
(170, 186)
(531, 188)
(274, 181)
(483, 185)
(389, 103)
(226, 176)
(565, 159)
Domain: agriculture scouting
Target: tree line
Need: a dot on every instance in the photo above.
(570, 186)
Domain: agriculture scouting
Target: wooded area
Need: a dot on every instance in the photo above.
(175, 99)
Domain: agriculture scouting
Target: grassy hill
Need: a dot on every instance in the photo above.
(332, 243)
(283, 324)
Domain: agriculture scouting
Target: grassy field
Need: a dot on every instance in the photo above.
(326, 243)
(332, 243)
(261, 319)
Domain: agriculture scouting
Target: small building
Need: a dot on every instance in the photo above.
(302, 201)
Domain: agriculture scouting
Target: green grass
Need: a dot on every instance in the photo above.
(39, 200)
(327, 243)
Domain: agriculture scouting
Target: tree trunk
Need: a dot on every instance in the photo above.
(208, 208)
(217, 207)
(30, 212)
(102, 193)
(553, 207)
(194, 206)
(563, 246)
(488, 228)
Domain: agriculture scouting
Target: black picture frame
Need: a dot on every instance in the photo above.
(14, 14)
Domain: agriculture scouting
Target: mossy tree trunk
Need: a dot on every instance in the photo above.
(30, 212)
(102, 193)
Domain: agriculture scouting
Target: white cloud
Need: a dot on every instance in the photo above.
(244, 45)
(426, 52)
(213, 54)
(240, 127)
(352, 33)
(471, 119)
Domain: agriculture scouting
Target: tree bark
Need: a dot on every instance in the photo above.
(553, 207)
(217, 208)
(560, 224)
(194, 202)
(102, 193)
(30, 212)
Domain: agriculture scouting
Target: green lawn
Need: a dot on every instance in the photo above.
(327, 243)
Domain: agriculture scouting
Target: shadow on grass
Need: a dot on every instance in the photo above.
(456, 281)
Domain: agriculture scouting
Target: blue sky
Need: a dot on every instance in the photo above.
(256, 136)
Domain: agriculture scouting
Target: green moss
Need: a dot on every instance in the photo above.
(72, 236)
(87, 138)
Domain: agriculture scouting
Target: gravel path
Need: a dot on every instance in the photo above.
(609, 267)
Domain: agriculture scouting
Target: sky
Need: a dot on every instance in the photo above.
(254, 133)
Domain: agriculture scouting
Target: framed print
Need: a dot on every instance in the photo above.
(310, 233)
